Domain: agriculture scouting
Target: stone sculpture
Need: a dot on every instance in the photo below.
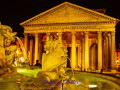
(7, 51)
(55, 55)
(52, 67)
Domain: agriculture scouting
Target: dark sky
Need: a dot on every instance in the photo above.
(13, 12)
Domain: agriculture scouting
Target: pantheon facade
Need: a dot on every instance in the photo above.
(88, 35)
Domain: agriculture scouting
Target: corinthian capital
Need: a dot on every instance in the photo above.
(99, 32)
(86, 34)
(73, 33)
(113, 33)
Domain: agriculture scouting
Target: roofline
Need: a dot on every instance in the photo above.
(94, 11)
(44, 12)
(117, 21)
(89, 10)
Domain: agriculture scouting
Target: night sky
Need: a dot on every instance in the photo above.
(13, 12)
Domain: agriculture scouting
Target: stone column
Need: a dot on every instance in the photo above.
(83, 55)
(79, 56)
(104, 49)
(113, 50)
(99, 50)
(40, 51)
(109, 51)
(65, 46)
(48, 36)
(92, 58)
(105, 53)
(31, 51)
(26, 45)
(60, 36)
(86, 51)
(106, 61)
(36, 48)
(73, 53)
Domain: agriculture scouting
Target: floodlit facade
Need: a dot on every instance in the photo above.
(88, 35)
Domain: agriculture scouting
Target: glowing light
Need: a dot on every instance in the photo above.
(25, 71)
(22, 59)
(21, 70)
(92, 86)
(17, 51)
(117, 61)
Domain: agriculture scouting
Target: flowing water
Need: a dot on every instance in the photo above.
(22, 47)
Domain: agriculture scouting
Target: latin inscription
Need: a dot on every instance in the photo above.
(66, 27)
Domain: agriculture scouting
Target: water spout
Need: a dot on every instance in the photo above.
(22, 47)
(73, 78)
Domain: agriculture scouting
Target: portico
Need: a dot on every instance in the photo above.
(83, 30)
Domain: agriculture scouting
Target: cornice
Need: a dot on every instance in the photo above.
(70, 23)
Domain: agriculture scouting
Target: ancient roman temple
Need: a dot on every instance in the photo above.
(88, 35)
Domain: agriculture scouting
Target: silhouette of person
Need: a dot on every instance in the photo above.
(37, 63)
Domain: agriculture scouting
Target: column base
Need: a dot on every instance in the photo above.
(99, 71)
(82, 69)
(75, 69)
(87, 70)
(113, 71)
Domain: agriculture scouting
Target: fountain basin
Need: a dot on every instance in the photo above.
(28, 71)
(88, 81)
(85, 81)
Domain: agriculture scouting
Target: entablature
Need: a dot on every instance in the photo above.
(69, 28)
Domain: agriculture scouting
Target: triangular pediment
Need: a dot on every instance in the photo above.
(67, 13)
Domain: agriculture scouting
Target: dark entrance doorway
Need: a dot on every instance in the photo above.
(68, 59)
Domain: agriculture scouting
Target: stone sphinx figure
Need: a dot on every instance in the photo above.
(52, 67)
(7, 51)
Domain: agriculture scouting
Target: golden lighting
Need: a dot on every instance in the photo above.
(117, 61)
(92, 86)
(17, 52)
(22, 59)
